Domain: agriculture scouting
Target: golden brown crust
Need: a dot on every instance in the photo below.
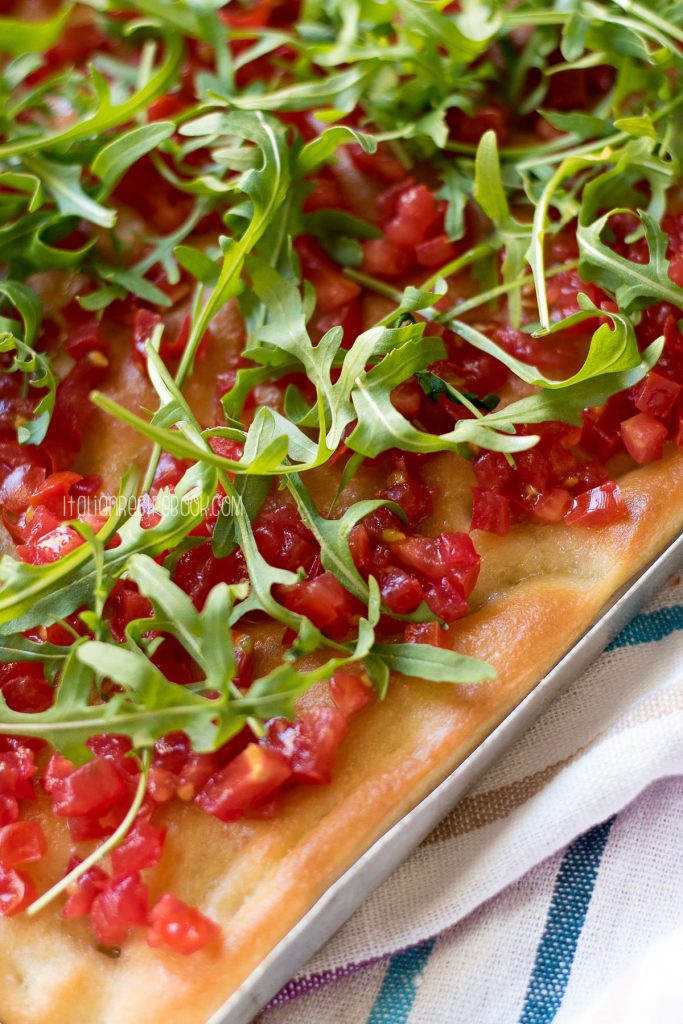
(540, 590)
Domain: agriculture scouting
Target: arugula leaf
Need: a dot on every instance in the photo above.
(422, 661)
(19, 37)
(635, 285)
(35, 365)
(64, 182)
(114, 159)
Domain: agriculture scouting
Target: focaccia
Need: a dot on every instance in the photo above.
(208, 690)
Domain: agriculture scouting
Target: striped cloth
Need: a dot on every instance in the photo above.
(503, 915)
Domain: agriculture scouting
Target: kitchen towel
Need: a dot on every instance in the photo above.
(503, 915)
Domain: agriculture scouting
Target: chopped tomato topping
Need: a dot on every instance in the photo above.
(323, 600)
(83, 892)
(179, 927)
(21, 842)
(141, 849)
(250, 779)
(427, 633)
(310, 744)
(657, 395)
(87, 791)
(17, 892)
(116, 909)
(332, 288)
(350, 692)
(644, 437)
(490, 511)
(401, 592)
(415, 208)
(16, 771)
(599, 506)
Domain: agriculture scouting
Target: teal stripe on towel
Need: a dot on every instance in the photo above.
(399, 988)
(650, 626)
(566, 916)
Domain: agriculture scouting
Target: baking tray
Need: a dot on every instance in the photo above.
(377, 863)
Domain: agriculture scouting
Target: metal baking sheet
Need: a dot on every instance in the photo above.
(349, 891)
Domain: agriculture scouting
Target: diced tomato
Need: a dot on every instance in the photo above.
(166, 106)
(676, 269)
(284, 545)
(350, 692)
(551, 506)
(325, 195)
(248, 780)
(83, 892)
(51, 546)
(310, 744)
(600, 436)
(408, 491)
(383, 259)
(145, 323)
(657, 395)
(359, 546)
(19, 486)
(431, 633)
(470, 127)
(644, 437)
(407, 398)
(480, 372)
(89, 790)
(17, 892)
(491, 470)
(141, 849)
(435, 252)
(415, 208)
(490, 511)
(83, 339)
(432, 557)
(323, 600)
(600, 506)
(57, 768)
(21, 842)
(446, 599)
(54, 490)
(381, 164)
(9, 809)
(179, 927)
(118, 908)
(401, 592)
(125, 604)
(16, 771)
(332, 288)
(26, 693)
(349, 317)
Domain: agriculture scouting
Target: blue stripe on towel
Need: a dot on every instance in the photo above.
(399, 988)
(650, 626)
(566, 916)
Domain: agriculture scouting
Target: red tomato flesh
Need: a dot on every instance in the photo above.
(644, 437)
(179, 927)
(21, 842)
(599, 506)
(89, 790)
(248, 780)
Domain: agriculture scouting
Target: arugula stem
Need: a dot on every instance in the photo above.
(501, 289)
(109, 844)
(478, 252)
(645, 14)
(374, 284)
